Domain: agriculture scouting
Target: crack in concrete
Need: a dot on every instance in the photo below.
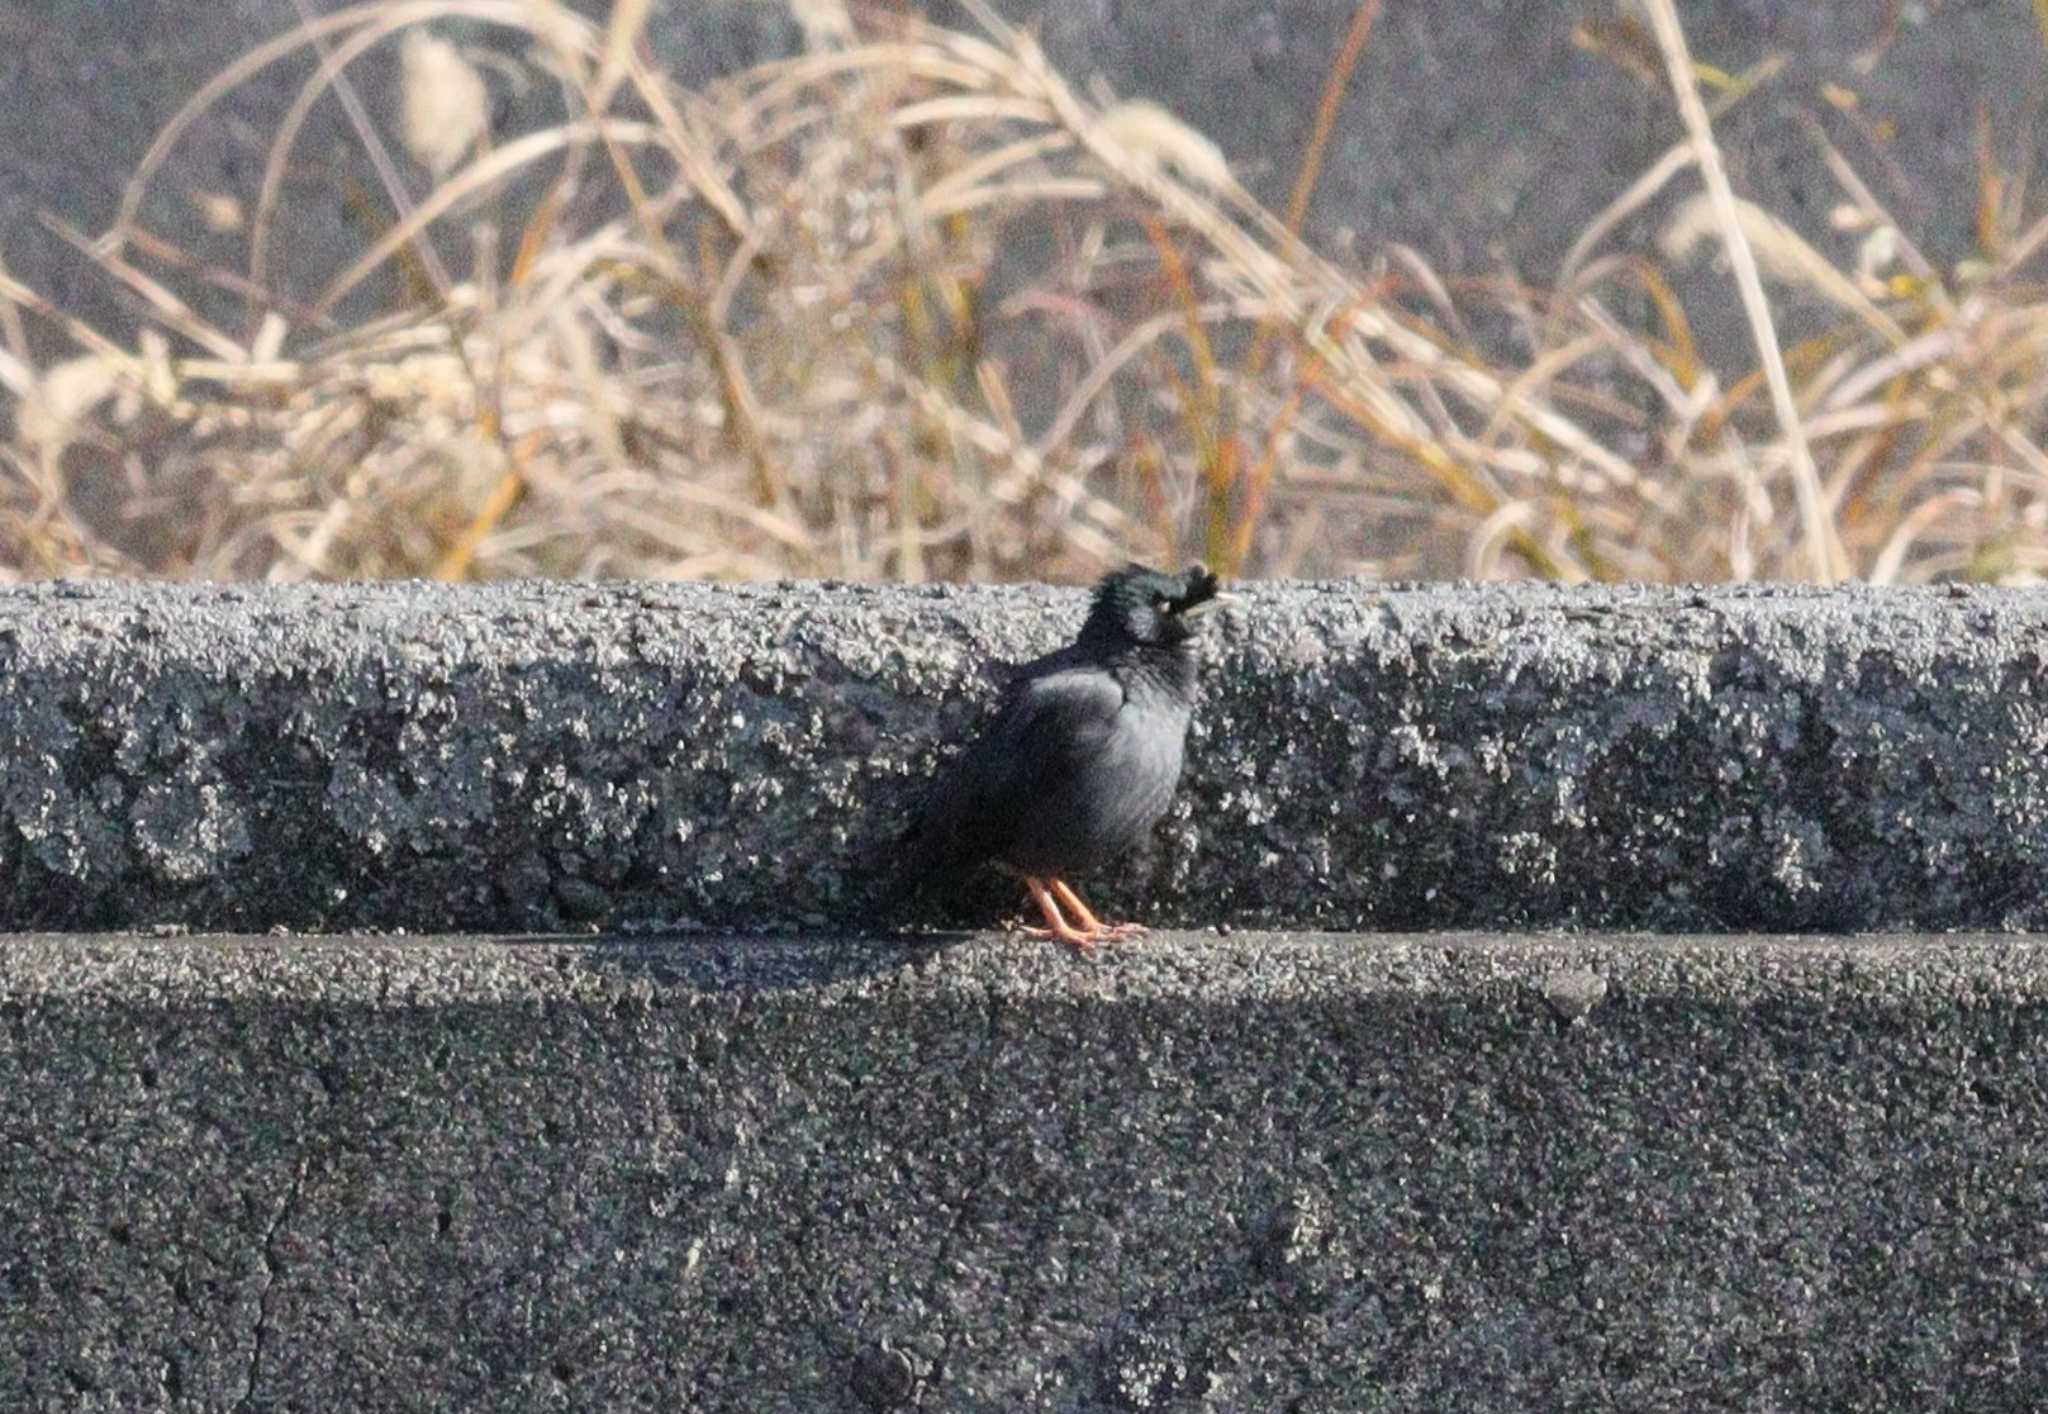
(262, 1327)
(719, 1210)
(983, 1148)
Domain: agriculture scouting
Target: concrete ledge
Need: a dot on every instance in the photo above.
(1244, 1173)
(529, 757)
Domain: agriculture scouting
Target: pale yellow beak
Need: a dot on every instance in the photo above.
(1215, 601)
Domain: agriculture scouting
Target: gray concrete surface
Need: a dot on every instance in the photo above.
(534, 758)
(1251, 1173)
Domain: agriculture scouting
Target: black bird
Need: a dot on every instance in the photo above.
(1082, 757)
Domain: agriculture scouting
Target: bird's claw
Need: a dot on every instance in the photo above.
(1080, 942)
(1087, 940)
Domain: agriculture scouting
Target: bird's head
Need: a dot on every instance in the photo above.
(1142, 606)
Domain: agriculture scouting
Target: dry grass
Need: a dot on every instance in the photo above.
(910, 306)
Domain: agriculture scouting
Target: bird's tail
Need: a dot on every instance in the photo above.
(902, 869)
(925, 868)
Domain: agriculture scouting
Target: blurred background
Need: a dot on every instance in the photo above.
(470, 289)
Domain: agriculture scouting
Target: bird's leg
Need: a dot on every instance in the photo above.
(1066, 895)
(1058, 927)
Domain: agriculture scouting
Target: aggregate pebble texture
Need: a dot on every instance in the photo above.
(1195, 1173)
(539, 758)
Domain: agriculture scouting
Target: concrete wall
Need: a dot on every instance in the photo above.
(1249, 1174)
(529, 757)
(829, 1167)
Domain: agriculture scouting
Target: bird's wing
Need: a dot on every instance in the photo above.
(1050, 727)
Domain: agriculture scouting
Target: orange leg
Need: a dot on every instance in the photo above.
(1066, 895)
(1057, 926)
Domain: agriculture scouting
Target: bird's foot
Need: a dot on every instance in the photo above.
(1082, 942)
(1086, 931)
(1085, 939)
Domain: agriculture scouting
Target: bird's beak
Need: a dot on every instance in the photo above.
(1213, 602)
